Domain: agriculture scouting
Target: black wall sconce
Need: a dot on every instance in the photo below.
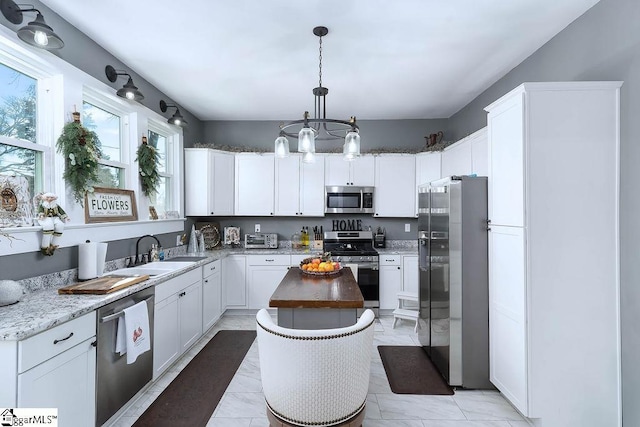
(177, 118)
(129, 90)
(36, 33)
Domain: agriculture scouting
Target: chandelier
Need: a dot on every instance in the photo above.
(319, 127)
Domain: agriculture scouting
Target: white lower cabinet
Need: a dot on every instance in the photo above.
(177, 318)
(211, 294)
(57, 369)
(390, 280)
(264, 274)
(410, 274)
(234, 288)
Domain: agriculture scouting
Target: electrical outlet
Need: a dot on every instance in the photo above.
(257, 228)
(407, 228)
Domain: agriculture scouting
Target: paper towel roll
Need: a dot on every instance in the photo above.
(87, 261)
(91, 259)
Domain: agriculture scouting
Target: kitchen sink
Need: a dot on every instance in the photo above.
(156, 268)
(141, 271)
(186, 258)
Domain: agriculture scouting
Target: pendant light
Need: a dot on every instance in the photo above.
(319, 127)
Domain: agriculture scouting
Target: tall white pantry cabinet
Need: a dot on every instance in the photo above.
(554, 251)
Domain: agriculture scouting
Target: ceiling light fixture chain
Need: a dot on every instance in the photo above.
(316, 127)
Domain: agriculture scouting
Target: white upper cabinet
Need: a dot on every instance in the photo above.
(359, 172)
(456, 159)
(480, 153)
(428, 168)
(467, 156)
(506, 164)
(254, 184)
(395, 192)
(299, 186)
(208, 182)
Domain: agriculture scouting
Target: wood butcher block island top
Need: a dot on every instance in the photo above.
(299, 290)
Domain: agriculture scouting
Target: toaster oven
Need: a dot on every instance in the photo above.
(261, 241)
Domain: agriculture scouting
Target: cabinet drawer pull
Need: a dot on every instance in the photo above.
(63, 339)
(269, 260)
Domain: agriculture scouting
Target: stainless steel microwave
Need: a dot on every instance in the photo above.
(348, 199)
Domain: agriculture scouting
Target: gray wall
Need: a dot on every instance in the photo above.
(603, 44)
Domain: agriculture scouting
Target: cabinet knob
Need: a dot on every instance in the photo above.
(206, 281)
(211, 213)
(398, 268)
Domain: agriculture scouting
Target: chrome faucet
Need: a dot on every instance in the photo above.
(138, 261)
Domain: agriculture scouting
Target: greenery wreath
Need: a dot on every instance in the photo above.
(81, 149)
(147, 158)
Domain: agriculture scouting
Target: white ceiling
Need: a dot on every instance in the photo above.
(382, 59)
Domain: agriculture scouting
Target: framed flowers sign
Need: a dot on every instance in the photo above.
(110, 205)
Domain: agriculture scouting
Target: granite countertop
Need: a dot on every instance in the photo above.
(398, 251)
(43, 308)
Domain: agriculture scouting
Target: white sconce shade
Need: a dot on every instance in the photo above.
(282, 147)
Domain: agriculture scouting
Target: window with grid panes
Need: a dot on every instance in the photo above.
(162, 200)
(20, 153)
(108, 126)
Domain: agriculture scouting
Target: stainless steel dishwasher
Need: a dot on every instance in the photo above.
(116, 381)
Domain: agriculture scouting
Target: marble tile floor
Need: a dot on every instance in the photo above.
(242, 405)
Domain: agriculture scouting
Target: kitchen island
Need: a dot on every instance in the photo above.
(317, 302)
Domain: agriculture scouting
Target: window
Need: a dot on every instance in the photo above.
(20, 154)
(162, 200)
(108, 127)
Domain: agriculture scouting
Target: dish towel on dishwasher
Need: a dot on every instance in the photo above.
(133, 335)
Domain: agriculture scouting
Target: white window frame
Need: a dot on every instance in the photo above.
(98, 99)
(46, 91)
(172, 158)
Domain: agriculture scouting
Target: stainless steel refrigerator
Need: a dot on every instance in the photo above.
(453, 263)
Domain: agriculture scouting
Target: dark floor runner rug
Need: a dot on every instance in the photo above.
(410, 371)
(193, 395)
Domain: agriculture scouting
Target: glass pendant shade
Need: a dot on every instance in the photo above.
(351, 146)
(308, 157)
(306, 140)
(281, 147)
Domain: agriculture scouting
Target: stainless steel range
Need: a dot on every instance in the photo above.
(356, 247)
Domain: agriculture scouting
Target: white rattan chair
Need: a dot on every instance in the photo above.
(315, 377)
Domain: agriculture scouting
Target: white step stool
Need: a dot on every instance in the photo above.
(405, 313)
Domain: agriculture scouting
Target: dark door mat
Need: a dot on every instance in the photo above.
(410, 371)
(193, 395)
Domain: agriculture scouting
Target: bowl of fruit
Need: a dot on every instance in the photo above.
(320, 265)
